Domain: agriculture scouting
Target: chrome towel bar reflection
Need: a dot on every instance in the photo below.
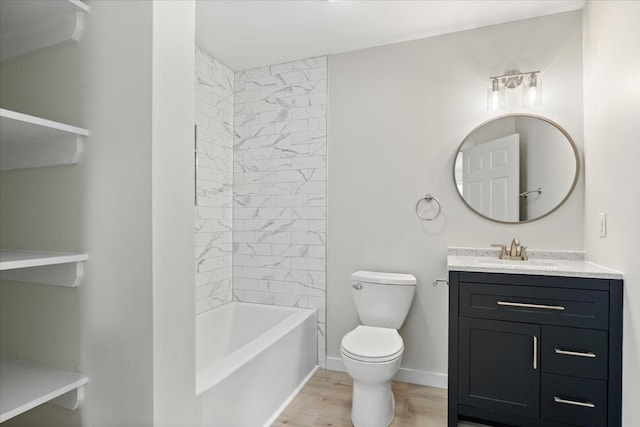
(428, 198)
(526, 193)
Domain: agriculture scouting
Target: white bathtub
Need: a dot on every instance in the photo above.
(251, 359)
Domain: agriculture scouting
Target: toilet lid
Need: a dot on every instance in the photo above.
(372, 344)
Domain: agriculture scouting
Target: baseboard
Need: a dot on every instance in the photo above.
(292, 396)
(414, 376)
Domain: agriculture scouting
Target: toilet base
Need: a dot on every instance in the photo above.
(373, 404)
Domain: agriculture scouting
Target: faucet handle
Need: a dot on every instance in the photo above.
(503, 249)
(523, 253)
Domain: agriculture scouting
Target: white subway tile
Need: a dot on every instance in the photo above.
(317, 212)
(307, 263)
(308, 238)
(311, 137)
(249, 248)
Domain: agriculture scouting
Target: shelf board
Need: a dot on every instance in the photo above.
(24, 386)
(49, 268)
(29, 141)
(28, 26)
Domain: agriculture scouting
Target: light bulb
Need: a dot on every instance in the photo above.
(495, 96)
(532, 91)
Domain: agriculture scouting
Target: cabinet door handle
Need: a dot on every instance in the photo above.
(574, 402)
(522, 304)
(575, 353)
(535, 352)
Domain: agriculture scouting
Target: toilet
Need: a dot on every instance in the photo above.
(372, 352)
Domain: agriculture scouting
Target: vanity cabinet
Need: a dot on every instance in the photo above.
(533, 350)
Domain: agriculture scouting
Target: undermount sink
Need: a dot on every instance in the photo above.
(529, 264)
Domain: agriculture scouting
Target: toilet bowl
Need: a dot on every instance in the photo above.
(372, 352)
(371, 356)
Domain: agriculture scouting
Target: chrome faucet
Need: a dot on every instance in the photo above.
(514, 253)
(514, 247)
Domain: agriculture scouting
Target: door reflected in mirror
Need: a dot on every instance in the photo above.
(516, 168)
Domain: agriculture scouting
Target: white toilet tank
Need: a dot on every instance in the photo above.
(382, 299)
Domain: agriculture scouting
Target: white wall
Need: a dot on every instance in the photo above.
(611, 106)
(548, 163)
(396, 117)
(172, 213)
(117, 317)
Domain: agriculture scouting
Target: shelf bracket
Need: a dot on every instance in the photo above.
(29, 141)
(67, 274)
(70, 400)
(50, 32)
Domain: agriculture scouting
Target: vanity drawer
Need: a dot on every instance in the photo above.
(576, 401)
(574, 351)
(531, 304)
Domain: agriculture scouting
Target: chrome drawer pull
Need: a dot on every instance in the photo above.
(574, 353)
(535, 352)
(574, 402)
(522, 304)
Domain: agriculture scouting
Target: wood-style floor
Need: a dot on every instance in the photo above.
(326, 401)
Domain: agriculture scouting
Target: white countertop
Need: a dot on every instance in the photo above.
(548, 263)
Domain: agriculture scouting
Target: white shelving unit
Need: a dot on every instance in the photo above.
(24, 386)
(28, 26)
(29, 141)
(49, 268)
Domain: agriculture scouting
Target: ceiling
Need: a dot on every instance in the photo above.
(245, 34)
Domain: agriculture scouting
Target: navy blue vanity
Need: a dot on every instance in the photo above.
(543, 348)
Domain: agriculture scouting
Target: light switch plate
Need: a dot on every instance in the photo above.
(603, 224)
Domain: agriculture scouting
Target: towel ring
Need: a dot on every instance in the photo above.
(428, 199)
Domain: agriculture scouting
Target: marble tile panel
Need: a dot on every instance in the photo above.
(263, 261)
(253, 201)
(310, 212)
(279, 186)
(257, 297)
(246, 284)
(310, 137)
(312, 187)
(259, 106)
(300, 88)
(250, 248)
(308, 263)
(214, 117)
(317, 123)
(308, 238)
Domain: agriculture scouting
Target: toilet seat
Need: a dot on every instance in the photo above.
(372, 344)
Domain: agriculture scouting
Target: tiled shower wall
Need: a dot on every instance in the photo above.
(261, 185)
(279, 186)
(214, 206)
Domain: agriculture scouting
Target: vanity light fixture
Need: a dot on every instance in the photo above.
(531, 96)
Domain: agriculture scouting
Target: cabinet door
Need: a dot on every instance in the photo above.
(498, 366)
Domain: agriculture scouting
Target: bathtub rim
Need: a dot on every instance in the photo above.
(211, 376)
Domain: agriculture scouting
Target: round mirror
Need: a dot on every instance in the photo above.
(516, 168)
